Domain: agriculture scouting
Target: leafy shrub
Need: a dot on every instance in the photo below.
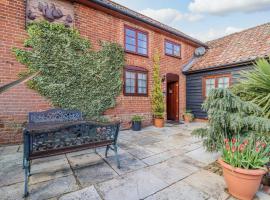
(158, 106)
(229, 116)
(255, 86)
(137, 118)
(248, 153)
(72, 75)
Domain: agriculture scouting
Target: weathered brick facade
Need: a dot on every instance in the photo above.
(95, 25)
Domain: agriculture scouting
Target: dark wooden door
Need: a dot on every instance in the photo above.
(172, 101)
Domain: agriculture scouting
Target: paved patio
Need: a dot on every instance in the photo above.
(156, 163)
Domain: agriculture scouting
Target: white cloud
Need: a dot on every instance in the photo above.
(169, 15)
(212, 33)
(223, 7)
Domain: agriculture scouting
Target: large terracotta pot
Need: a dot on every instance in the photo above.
(242, 183)
(158, 122)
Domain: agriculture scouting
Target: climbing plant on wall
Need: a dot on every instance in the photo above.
(72, 75)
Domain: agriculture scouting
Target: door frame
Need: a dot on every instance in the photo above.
(173, 78)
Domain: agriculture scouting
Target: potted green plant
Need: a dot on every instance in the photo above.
(188, 116)
(158, 106)
(136, 123)
(244, 163)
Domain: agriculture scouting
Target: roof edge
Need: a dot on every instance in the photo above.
(223, 66)
(103, 4)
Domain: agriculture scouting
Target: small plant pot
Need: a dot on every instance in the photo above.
(159, 122)
(242, 183)
(266, 179)
(187, 118)
(136, 126)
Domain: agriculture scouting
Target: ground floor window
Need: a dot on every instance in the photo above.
(215, 81)
(135, 81)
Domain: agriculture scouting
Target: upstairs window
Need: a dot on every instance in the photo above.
(135, 81)
(172, 49)
(136, 41)
(215, 81)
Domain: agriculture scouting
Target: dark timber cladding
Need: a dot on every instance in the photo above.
(194, 87)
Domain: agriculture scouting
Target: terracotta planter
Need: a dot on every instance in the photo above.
(187, 119)
(242, 183)
(158, 122)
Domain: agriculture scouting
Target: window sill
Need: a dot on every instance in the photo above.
(137, 54)
(135, 95)
(178, 57)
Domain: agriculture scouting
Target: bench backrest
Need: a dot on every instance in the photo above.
(54, 115)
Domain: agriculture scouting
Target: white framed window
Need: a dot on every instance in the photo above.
(215, 81)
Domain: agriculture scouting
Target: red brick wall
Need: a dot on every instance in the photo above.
(96, 26)
(18, 101)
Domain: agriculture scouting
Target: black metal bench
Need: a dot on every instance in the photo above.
(58, 131)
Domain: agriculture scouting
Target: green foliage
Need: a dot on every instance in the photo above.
(72, 75)
(248, 153)
(255, 86)
(229, 116)
(137, 118)
(158, 106)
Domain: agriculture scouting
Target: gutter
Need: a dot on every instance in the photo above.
(111, 7)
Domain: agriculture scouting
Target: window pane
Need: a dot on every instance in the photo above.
(177, 50)
(130, 47)
(130, 90)
(141, 83)
(142, 37)
(142, 44)
(169, 51)
(141, 76)
(223, 82)
(142, 90)
(168, 45)
(209, 85)
(130, 32)
(142, 51)
(130, 75)
(130, 82)
(130, 40)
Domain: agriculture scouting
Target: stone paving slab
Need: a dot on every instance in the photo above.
(179, 191)
(203, 156)
(139, 152)
(133, 186)
(94, 174)
(171, 173)
(210, 183)
(11, 169)
(88, 193)
(128, 163)
(12, 192)
(161, 157)
(53, 188)
(84, 160)
(48, 170)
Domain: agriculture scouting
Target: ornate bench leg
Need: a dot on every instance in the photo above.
(116, 156)
(106, 152)
(26, 175)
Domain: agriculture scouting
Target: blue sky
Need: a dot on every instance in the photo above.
(204, 19)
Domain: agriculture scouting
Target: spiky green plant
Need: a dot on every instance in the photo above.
(229, 116)
(158, 106)
(255, 86)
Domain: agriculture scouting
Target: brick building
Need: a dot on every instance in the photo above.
(99, 20)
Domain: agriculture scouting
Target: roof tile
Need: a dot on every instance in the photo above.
(242, 46)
